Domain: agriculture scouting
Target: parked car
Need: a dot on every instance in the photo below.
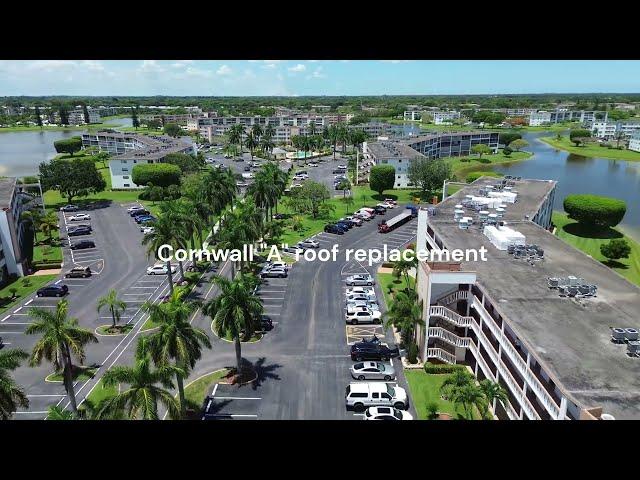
(147, 229)
(373, 371)
(247, 169)
(361, 395)
(362, 303)
(308, 243)
(363, 216)
(372, 351)
(281, 216)
(79, 217)
(361, 291)
(69, 208)
(138, 211)
(79, 230)
(294, 250)
(144, 218)
(283, 265)
(266, 323)
(360, 315)
(78, 272)
(342, 167)
(360, 280)
(59, 290)
(356, 220)
(386, 413)
(333, 229)
(134, 207)
(160, 270)
(380, 210)
(339, 171)
(385, 205)
(351, 223)
(273, 273)
(344, 225)
(391, 201)
(82, 244)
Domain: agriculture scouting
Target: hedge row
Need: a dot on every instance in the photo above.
(440, 368)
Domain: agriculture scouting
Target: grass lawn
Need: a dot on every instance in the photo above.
(36, 281)
(589, 241)
(35, 128)
(119, 329)
(144, 130)
(461, 169)
(592, 150)
(80, 373)
(100, 392)
(196, 391)
(46, 250)
(385, 280)
(425, 389)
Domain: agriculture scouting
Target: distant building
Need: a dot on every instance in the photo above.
(610, 130)
(131, 149)
(440, 118)
(76, 116)
(634, 142)
(412, 115)
(537, 119)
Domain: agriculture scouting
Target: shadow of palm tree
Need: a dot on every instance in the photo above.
(586, 231)
(263, 372)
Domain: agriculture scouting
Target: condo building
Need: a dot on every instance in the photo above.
(634, 142)
(559, 115)
(399, 153)
(440, 118)
(412, 115)
(610, 130)
(76, 116)
(131, 149)
(539, 324)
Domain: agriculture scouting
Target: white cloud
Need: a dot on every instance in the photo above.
(317, 73)
(151, 66)
(394, 61)
(298, 68)
(224, 70)
(269, 66)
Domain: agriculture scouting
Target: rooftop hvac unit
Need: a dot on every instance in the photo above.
(617, 334)
(572, 290)
(573, 281)
(553, 282)
(630, 334)
(584, 289)
(633, 348)
(606, 416)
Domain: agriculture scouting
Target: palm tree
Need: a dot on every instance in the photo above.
(468, 396)
(61, 337)
(140, 400)
(343, 135)
(234, 136)
(402, 267)
(405, 313)
(262, 190)
(58, 413)
(235, 310)
(458, 379)
(114, 304)
(176, 339)
(35, 217)
(218, 190)
(311, 128)
(256, 130)
(164, 233)
(334, 137)
(348, 201)
(493, 392)
(12, 395)
(185, 223)
(48, 224)
(251, 142)
(344, 185)
(267, 144)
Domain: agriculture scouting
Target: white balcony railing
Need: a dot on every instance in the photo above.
(454, 297)
(441, 355)
(449, 337)
(450, 315)
(532, 381)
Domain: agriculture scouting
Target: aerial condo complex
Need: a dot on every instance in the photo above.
(205, 240)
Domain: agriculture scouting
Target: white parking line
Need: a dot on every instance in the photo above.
(238, 398)
(233, 415)
(5, 318)
(272, 298)
(150, 286)
(136, 294)
(52, 395)
(20, 308)
(29, 302)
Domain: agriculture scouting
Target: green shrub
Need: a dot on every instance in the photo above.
(159, 174)
(412, 353)
(595, 210)
(465, 159)
(441, 368)
(484, 160)
(473, 176)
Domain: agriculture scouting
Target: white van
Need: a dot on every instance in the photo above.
(371, 394)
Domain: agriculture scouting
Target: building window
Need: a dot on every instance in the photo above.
(126, 177)
(125, 185)
(123, 161)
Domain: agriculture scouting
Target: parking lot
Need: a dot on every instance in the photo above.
(232, 402)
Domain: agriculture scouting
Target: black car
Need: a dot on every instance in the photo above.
(78, 272)
(266, 323)
(379, 210)
(247, 169)
(338, 171)
(345, 226)
(371, 351)
(347, 222)
(79, 230)
(333, 229)
(82, 244)
(139, 211)
(53, 291)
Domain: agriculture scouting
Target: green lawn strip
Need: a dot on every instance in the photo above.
(386, 280)
(48, 249)
(196, 391)
(100, 392)
(119, 330)
(227, 336)
(35, 282)
(592, 150)
(461, 169)
(425, 389)
(80, 373)
(589, 242)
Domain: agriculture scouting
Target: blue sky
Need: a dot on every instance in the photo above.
(308, 77)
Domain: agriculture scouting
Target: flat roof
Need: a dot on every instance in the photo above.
(156, 146)
(571, 338)
(7, 186)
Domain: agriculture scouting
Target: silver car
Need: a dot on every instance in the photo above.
(309, 244)
(386, 413)
(360, 280)
(373, 371)
(354, 304)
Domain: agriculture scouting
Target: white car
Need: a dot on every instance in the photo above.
(356, 220)
(385, 205)
(372, 394)
(146, 230)
(361, 290)
(362, 315)
(135, 207)
(360, 280)
(341, 167)
(160, 270)
(355, 304)
(360, 297)
(283, 265)
(386, 413)
(308, 243)
(78, 217)
(363, 215)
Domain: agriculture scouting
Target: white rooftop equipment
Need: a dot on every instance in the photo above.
(501, 237)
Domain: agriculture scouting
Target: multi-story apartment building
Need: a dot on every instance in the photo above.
(564, 115)
(634, 142)
(76, 116)
(412, 115)
(399, 153)
(131, 149)
(15, 236)
(537, 119)
(180, 119)
(553, 354)
(610, 130)
(440, 118)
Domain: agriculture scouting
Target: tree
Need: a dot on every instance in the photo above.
(429, 175)
(251, 142)
(493, 392)
(333, 133)
(12, 395)
(481, 149)
(187, 163)
(458, 379)
(468, 396)
(382, 177)
(507, 137)
(114, 304)
(235, 311)
(616, 248)
(348, 202)
(72, 178)
(594, 210)
(158, 174)
(405, 313)
(344, 185)
(140, 400)
(507, 151)
(176, 339)
(61, 338)
(518, 144)
(63, 111)
(266, 144)
(314, 193)
(172, 129)
(38, 117)
(164, 233)
(403, 267)
(578, 136)
(85, 113)
(68, 145)
(134, 118)
(56, 412)
(153, 124)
